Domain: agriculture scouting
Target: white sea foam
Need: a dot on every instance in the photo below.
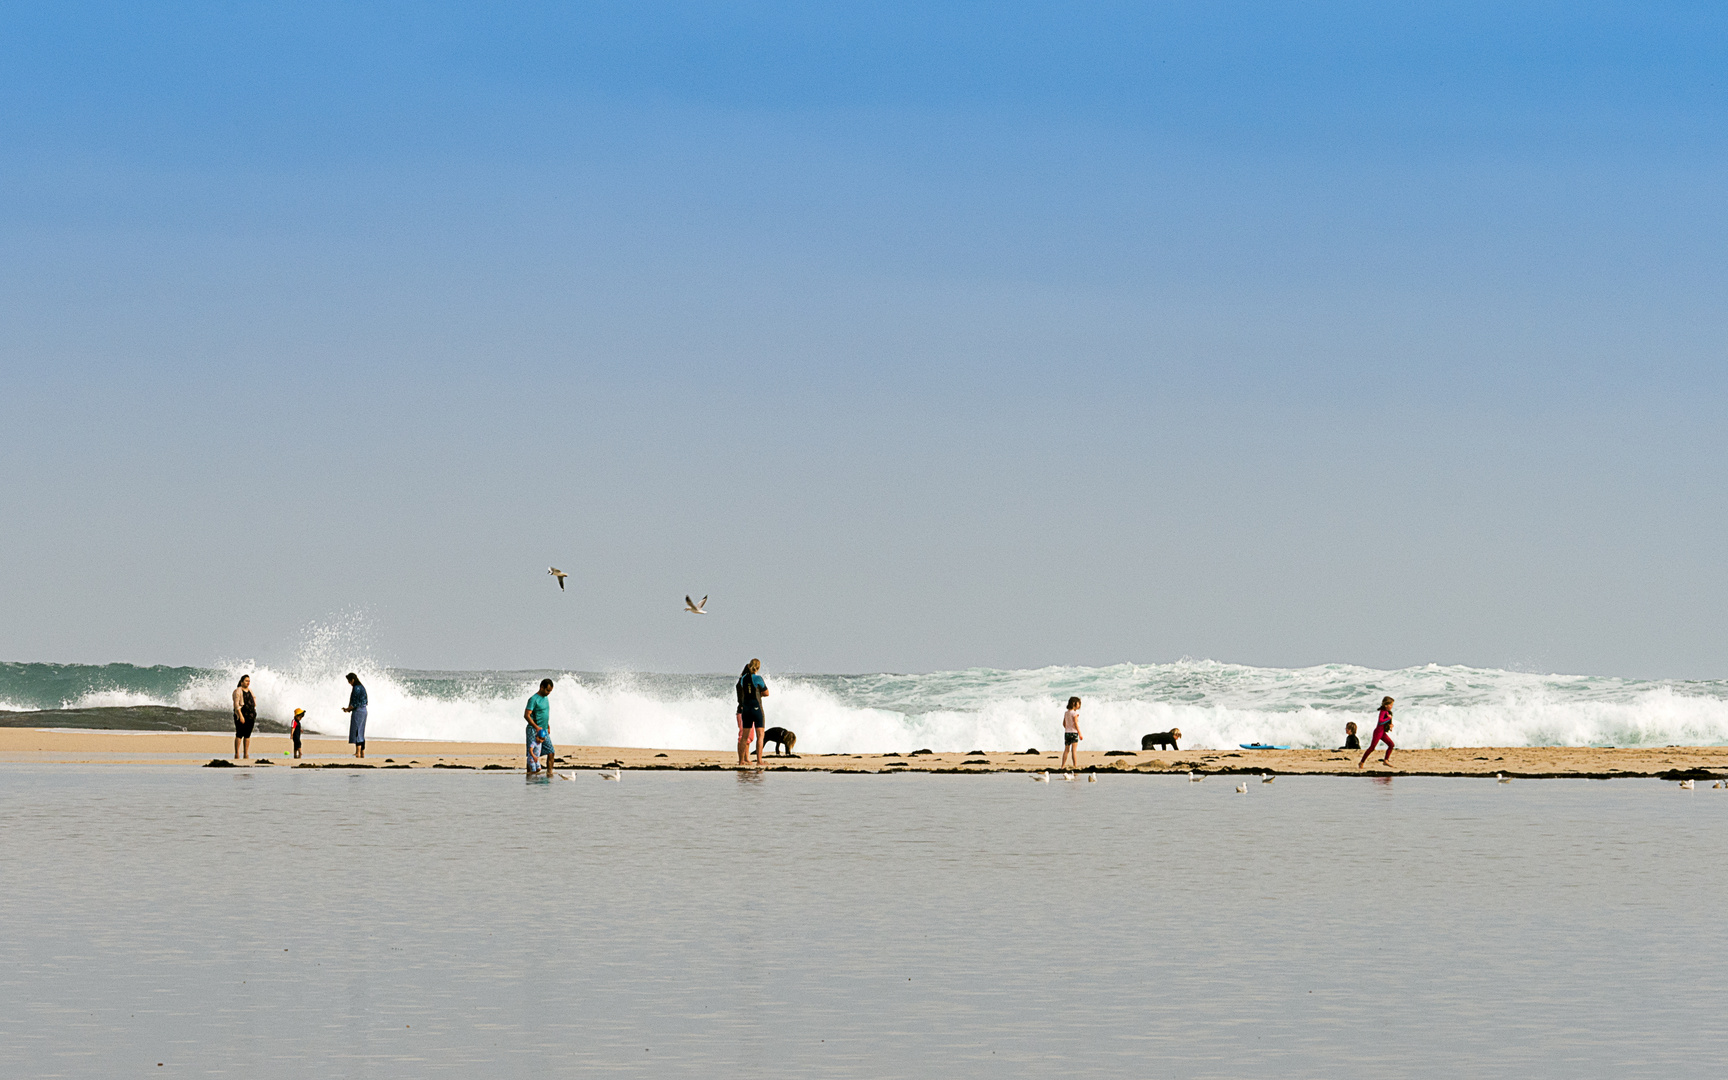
(958, 711)
(1215, 705)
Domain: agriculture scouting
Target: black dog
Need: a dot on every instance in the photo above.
(782, 739)
(1163, 740)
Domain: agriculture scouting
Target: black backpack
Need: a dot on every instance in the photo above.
(749, 698)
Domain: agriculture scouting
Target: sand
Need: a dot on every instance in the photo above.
(190, 749)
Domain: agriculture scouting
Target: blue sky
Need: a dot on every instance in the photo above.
(920, 336)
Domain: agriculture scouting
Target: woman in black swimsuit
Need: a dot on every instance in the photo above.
(245, 715)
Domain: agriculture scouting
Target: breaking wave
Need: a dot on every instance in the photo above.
(1214, 704)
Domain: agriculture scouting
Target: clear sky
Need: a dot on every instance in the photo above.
(918, 335)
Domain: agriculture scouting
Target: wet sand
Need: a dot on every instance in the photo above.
(196, 749)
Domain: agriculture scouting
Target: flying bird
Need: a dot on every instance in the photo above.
(694, 608)
(559, 574)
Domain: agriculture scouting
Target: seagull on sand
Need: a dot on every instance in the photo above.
(559, 574)
(1192, 779)
(1041, 777)
(1268, 778)
(1091, 778)
(1503, 778)
(613, 774)
(694, 608)
(1685, 785)
(1242, 788)
(1068, 776)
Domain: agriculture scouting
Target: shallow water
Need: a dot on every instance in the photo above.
(303, 923)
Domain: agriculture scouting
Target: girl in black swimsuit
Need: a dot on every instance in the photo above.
(245, 716)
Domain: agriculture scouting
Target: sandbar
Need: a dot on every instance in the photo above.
(188, 749)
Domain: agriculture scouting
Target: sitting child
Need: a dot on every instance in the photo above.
(1351, 742)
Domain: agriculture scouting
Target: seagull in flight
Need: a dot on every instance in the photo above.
(559, 574)
(693, 607)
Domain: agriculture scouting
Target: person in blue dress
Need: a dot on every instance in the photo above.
(539, 717)
(356, 711)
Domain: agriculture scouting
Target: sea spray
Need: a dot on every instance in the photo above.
(1215, 705)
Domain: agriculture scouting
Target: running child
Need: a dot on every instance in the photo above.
(1382, 734)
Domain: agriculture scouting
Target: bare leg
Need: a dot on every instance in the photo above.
(246, 748)
(236, 748)
(758, 732)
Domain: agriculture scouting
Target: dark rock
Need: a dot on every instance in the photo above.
(219, 763)
(976, 761)
(1120, 753)
(974, 751)
(915, 753)
(1688, 774)
(136, 718)
(659, 755)
(497, 768)
(398, 766)
(441, 765)
(1033, 750)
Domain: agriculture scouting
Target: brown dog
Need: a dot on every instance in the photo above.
(1163, 740)
(783, 740)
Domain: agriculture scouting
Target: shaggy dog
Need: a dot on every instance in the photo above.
(1163, 740)
(783, 740)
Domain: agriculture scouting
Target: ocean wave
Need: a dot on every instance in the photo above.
(1214, 704)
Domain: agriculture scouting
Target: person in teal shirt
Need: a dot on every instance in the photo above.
(539, 717)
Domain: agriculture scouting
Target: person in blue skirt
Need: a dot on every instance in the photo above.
(356, 711)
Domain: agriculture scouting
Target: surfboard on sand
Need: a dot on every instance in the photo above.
(1262, 746)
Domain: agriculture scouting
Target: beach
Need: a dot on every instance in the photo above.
(29, 745)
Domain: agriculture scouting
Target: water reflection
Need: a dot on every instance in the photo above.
(415, 924)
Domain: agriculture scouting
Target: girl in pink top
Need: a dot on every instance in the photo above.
(1382, 734)
(1071, 733)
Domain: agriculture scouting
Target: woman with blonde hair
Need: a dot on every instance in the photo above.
(1071, 734)
(1382, 734)
(751, 690)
